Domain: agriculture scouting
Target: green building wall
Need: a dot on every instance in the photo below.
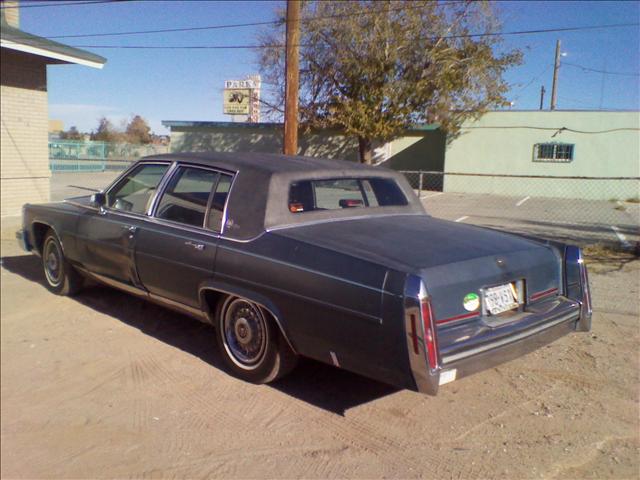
(606, 144)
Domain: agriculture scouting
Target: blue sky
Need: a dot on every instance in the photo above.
(187, 84)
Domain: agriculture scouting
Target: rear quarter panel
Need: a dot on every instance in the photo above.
(327, 301)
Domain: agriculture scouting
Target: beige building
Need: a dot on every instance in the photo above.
(24, 158)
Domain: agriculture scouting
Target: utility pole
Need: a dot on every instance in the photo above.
(554, 87)
(542, 90)
(291, 79)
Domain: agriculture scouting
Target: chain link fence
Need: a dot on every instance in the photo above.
(72, 156)
(582, 210)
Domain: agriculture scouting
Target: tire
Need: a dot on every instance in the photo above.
(250, 342)
(61, 278)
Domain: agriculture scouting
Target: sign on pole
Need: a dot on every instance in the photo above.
(242, 97)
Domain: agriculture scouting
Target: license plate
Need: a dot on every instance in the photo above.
(501, 298)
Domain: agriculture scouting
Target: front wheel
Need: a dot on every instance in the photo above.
(251, 343)
(61, 277)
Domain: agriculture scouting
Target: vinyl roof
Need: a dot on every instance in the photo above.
(259, 195)
(267, 162)
(16, 39)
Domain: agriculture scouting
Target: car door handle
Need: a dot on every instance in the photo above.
(197, 246)
(130, 228)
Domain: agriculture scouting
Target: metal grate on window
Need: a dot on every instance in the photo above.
(553, 152)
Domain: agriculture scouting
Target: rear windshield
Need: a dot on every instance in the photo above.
(333, 194)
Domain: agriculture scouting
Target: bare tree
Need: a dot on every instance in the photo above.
(373, 69)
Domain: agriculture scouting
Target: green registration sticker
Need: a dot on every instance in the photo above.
(471, 302)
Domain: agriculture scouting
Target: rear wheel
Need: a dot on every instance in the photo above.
(61, 277)
(251, 343)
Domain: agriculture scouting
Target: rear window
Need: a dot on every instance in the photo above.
(334, 194)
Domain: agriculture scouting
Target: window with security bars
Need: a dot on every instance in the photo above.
(553, 152)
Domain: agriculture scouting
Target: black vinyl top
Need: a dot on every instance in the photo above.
(259, 196)
(265, 162)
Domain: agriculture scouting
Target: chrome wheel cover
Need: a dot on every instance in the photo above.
(52, 260)
(244, 333)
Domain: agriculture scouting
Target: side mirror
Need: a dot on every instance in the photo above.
(98, 199)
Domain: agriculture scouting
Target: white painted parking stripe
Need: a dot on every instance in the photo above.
(462, 218)
(623, 240)
(522, 201)
(433, 195)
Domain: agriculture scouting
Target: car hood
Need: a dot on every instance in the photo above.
(409, 242)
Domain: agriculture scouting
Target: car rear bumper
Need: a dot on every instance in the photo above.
(491, 352)
(22, 236)
(491, 355)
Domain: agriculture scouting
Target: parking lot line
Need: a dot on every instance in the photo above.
(522, 201)
(461, 218)
(623, 240)
(433, 195)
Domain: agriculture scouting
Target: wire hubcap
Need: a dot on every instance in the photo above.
(52, 263)
(244, 333)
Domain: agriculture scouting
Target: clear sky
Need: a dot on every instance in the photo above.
(187, 84)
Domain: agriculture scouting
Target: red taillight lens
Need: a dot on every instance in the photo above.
(430, 339)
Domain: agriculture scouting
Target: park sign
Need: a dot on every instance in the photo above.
(242, 97)
(236, 101)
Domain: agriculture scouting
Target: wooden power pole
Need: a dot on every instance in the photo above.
(542, 97)
(291, 80)
(554, 87)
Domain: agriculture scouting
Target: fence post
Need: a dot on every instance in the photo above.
(420, 185)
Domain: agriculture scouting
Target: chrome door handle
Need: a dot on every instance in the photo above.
(197, 246)
(130, 228)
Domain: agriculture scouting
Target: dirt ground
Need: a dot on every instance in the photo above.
(103, 385)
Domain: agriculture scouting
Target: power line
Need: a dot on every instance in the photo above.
(364, 11)
(606, 72)
(472, 35)
(520, 90)
(59, 4)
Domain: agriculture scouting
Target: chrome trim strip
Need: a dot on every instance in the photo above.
(144, 294)
(161, 188)
(510, 339)
(344, 219)
(370, 318)
(115, 283)
(195, 312)
(308, 270)
(226, 203)
(275, 317)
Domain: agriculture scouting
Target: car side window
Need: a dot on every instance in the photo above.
(134, 191)
(218, 202)
(186, 197)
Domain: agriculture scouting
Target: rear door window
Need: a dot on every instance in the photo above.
(186, 197)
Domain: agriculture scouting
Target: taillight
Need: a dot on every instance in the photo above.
(430, 338)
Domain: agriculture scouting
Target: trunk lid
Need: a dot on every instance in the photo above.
(454, 260)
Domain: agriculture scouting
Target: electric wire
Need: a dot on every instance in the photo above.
(59, 4)
(472, 35)
(606, 72)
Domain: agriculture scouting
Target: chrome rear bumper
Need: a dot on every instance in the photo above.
(495, 346)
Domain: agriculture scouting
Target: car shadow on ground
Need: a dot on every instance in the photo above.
(313, 382)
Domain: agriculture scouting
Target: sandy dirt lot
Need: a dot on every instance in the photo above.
(103, 385)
